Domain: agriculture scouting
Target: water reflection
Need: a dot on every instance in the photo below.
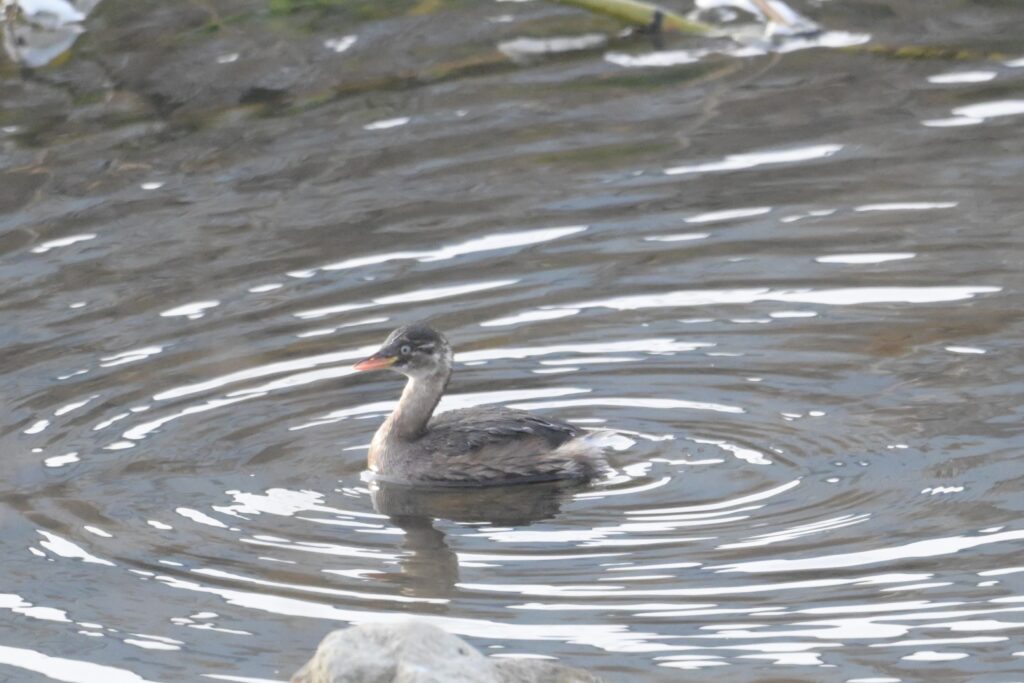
(792, 302)
(429, 567)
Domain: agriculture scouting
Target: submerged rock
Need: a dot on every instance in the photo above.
(418, 652)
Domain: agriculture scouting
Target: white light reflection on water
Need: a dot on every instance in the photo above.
(18, 605)
(129, 356)
(991, 110)
(905, 206)
(975, 114)
(965, 349)
(529, 316)
(678, 237)
(962, 77)
(799, 531)
(672, 610)
(792, 314)
(264, 371)
(630, 401)
(656, 345)
(269, 287)
(69, 670)
(592, 360)
(339, 45)
(729, 214)
(142, 431)
(739, 162)
(319, 590)
(61, 460)
(64, 548)
(750, 455)
(720, 505)
(193, 310)
(36, 427)
(611, 637)
(830, 297)
(201, 518)
(285, 503)
(413, 296)
(1001, 572)
(934, 547)
(480, 244)
(932, 656)
(385, 124)
(62, 242)
(858, 259)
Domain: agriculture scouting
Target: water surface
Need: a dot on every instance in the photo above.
(789, 280)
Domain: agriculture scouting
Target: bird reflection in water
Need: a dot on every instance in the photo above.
(430, 568)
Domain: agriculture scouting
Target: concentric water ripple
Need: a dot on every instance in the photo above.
(791, 298)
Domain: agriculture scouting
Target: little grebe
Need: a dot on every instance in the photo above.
(480, 446)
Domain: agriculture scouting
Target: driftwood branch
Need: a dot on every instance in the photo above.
(638, 13)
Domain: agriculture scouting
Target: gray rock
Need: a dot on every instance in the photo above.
(418, 652)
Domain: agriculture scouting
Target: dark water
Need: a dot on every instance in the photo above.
(787, 279)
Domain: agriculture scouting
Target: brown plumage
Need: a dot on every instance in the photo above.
(482, 446)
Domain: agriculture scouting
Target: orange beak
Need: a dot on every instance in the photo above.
(375, 362)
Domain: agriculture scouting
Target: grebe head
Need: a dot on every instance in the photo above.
(416, 350)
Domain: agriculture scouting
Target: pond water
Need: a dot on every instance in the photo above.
(790, 279)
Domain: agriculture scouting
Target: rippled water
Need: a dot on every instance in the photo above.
(791, 282)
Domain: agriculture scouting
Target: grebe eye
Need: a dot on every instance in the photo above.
(405, 350)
